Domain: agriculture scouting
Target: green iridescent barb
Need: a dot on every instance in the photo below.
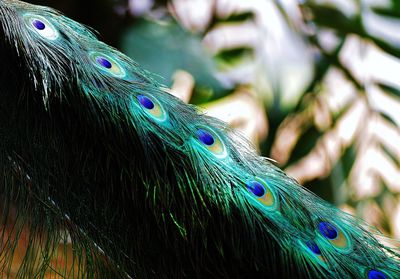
(96, 157)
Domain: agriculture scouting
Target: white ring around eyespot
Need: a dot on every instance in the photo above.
(49, 32)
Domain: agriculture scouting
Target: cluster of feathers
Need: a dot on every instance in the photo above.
(96, 156)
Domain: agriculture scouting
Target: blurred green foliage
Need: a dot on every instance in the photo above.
(165, 48)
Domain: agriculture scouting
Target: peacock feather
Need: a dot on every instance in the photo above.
(104, 175)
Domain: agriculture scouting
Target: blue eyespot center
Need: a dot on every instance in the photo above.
(145, 102)
(205, 137)
(103, 62)
(256, 188)
(313, 247)
(375, 274)
(38, 24)
(328, 230)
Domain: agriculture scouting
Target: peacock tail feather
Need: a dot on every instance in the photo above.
(104, 175)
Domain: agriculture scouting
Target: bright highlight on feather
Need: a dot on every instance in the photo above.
(335, 236)
(263, 193)
(41, 26)
(107, 64)
(152, 108)
(210, 141)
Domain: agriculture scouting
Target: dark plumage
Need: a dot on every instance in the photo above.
(95, 154)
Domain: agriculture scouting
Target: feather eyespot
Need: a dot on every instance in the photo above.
(152, 108)
(313, 252)
(103, 62)
(205, 137)
(376, 274)
(107, 64)
(328, 230)
(146, 102)
(210, 141)
(256, 188)
(335, 236)
(41, 26)
(261, 191)
(38, 24)
(313, 247)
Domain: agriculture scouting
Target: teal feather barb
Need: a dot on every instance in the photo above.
(122, 180)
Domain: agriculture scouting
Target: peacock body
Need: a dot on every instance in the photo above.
(96, 156)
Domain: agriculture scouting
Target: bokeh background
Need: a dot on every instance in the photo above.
(313, 84)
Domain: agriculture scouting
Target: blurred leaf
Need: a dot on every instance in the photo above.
(165, 48)
(203, 94)
(231, 57)
(330, 17)
(395, 93)
(322, 187)
(237, 17)
(341, 112)
(387, 12)
(347, 160)
(385, 46)
(340, 174)
(388, 118)
(392, 11)
(390, 89)
(322, 66)
(305, 143)
(390, 154)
